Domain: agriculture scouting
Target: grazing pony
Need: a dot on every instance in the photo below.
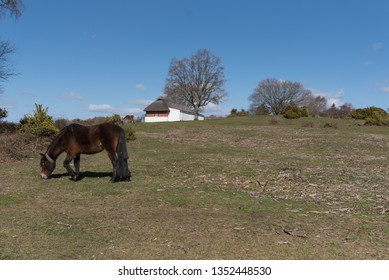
(76, 139)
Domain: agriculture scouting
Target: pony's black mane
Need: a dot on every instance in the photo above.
(55, 139)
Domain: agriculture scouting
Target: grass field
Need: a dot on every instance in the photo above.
(236, 188)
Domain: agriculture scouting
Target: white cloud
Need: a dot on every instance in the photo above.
(214, 109)
(333, 97)
(100, 108)
(377, 46)
(7, 104)
(73, 96)
(368, 62)
(143, 102)
(26, 94)
(140, 86)
(108, 109)
(385, 89)
(89, 35)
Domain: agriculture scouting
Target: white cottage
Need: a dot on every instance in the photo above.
(164, 110)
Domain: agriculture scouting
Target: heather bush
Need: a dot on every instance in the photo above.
(18, 146)
(7, 127)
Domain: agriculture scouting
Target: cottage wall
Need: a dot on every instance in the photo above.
(156, 119)
(187, 116)
(174, 115)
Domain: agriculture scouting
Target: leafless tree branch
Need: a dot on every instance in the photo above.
(275, 95)
(196, 81)
(13, 6)
(6, 70)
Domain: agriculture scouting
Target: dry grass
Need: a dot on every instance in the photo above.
(223, 189)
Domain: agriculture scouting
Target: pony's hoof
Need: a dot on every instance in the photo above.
(75, 178)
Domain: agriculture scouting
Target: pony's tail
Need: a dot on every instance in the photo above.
(122, 172)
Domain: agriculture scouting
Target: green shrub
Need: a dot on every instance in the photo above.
(291, 114)
(368, 112)
(372, 116)
(295, 112)
(378, 118)
(115, 119)
(130, 132)
(235, 113)
(40, 124)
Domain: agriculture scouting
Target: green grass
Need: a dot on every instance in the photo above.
(235, 188)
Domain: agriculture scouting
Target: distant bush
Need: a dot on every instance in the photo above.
(342, 112)
(378, 119)
(274, 121)
(3, 113)
(291, 114)
(262, 110)
(368, 112)
(331, 125)
(61, 123)
(308, 124)
(236, 113)
(39, 124)
(18, 146)
(115, 119)
(7, 127)
(295, 112)
(372, 116)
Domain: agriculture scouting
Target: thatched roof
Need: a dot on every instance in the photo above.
(163, 104)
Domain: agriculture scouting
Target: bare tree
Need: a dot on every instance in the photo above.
(196, 81)
(316, 105)
(275, 95)
(5, 66)
(13, 6)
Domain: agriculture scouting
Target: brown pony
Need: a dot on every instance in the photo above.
(77, 139)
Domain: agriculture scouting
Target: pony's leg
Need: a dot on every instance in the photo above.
(66, 164)
(114, 161)
(77, 167)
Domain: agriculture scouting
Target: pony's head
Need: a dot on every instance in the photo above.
(47, 165)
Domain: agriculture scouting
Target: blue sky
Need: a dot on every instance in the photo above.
(95, 58)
